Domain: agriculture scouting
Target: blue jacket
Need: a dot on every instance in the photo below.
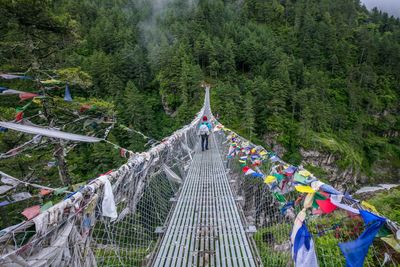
(206, 123)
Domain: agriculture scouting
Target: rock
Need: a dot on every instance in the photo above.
(270, 140)
(283, 247)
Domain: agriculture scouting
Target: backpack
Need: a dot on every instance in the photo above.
(204, 129)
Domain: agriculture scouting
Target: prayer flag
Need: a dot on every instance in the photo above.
(19, 116)
(303, 249)
(270, 179)
(326, 205)
(44, 192)
(355, 251)
(67, 96)
(31, 212)
(304, 189)
(25, 96)
(46, 206)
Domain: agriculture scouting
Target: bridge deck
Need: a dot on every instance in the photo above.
(205, 228)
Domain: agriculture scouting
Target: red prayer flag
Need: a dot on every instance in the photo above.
(245, 169)
(25, 96)
(84, 108)
(19, 116)
(326, 205)
(31, 212)
(44, 192)
(106, 173)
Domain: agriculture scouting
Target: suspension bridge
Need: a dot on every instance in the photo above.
(175, 205)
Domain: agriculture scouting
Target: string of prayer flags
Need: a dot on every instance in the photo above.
(321, 197)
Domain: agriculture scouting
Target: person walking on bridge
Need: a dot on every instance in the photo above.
(204, 131)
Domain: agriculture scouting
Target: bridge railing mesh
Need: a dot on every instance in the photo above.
(74, 232)
(268, 210)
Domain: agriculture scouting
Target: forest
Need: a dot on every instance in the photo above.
(293, 75)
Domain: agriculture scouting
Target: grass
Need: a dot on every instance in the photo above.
(388, 203)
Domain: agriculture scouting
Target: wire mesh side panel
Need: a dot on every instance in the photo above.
(128, 241)
(273, 213)
(74, 232)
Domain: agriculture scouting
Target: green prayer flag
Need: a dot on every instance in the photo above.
(19, 109)
(278, 176)
(59, 191)
(46, 206)
(317, 196)
(279, 197)
(75, 187)
(300, 178)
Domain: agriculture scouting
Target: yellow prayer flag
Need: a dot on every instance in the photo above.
(304, 173)
(269, 179)
(37, 101)
(392, 242)
(263, 152)
(304, 189)
(369, 206)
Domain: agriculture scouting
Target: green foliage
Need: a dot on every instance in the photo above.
(387, 203)
(267, 237)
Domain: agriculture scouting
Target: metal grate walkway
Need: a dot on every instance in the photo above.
(205, 228)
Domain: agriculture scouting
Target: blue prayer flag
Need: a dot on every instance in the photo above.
(355, 251)
(67, 96)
